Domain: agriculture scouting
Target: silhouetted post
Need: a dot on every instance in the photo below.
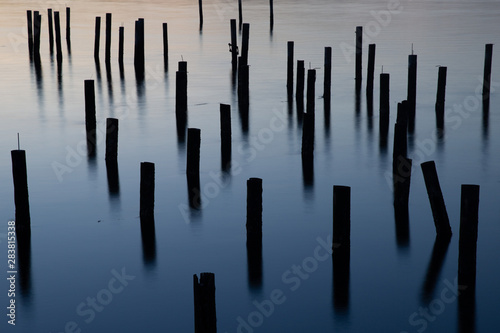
(309, 118)
(200, 8)
(438, 207)
(139, 47)
(234, 45)
(341, 217)
(400, 138)
(90, 116)
(21, 200)
(271, 14)
(254, 208)
(244, 43)
(240, 15)
(108, 38)
(111, 139)
(68, 27)
(359, 55)
(205, 319)
(440, 97)
(193, 152)
(30, 32)
(299, 94)
(289, 73)
(402, 180)
(225, 135)
(57, 25)
(181, 90)
(384, 108)
(327, 82)
(311, 82)
(147, 191)
(37, 29)
(412, 91)
(370, 70)
(165, 45)
(51, 31)
(97, 37)
(469, 209)
(121, 33)
(487, 72)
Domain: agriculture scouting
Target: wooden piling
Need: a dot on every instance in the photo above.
(384, 108)
(487, 72)
(271, 15)
(225, 135)
(327, 82)
(205, 319)
(97, 37)
(311, 95)
(90, 115)
(68, 26)
(147, 192)
(111, 139)
(359, 55)
(108, 38)
(37, 31)
(234, 45)
(244, 43)
(440, 97)
(181, 90)
(193, 151)
(21, 198)
(289, 73)
(412, 91)
(200, 9)
(139, 47)
(121, 37)
(240, 15)
(51, 30)
(341, 217)
(467, 245)
(165, 45)
(254, 208)
(438, 207)
(401, 182)
(299, 93)
(400, 139)
(370, 70)
(57, 25)
(29, 16)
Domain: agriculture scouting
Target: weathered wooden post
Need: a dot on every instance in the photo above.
(254, 209)
(400, 147)
(240, 15)
(181, 90)
(165, 46)
(370, 70)
(440, 97)
(205, 318)
(139, 48)
(299, 93)
(111, 139)
(51, 31)
(469, 210)
(225, 136)
(244, 43)
(200, 9)
(341, 246)
(36, 42)
(57, 25)
(309, 118)
(193, 152)
(121, 37)
(234, 46)
(97, 37)
(147, 192)
(487, 72)
(30, 32)
(311, 95)
(90, 116)
(327, 82)
(438, 207)
(402, 180)
(68, 26)
(412, 91)
(21, 198)
(108, 38)
(384, 108)
(359, 55)
(289, 72)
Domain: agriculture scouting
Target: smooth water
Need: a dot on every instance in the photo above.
(83, 234)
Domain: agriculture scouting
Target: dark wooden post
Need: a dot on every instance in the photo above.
(384, 108)
(400, 138)
(200, 9)
(412, 91)
(57, 25)
(147, 192)
(37, 30)
(139, 47)
(244, 43)
(370, 70)
(271, 13)
(51, 31)
(181, 90)
(327, 82)
(90, 116)
(68, 27)
(359, 55)
(254, 208)
(193, 152)
(97, 37)
(311, 95)
(111, 139)
(402, 180)
(440, 97)
(121, 37)
(467, 244)
(165, 46)
(205, 319)
(341, 217)
(225, 136)
(438, 207)
(21, 199)
(289, 72)
(299, 94)
(30, 32)
(108, 38)
(234, 46)
(487, 72)
(240, 15)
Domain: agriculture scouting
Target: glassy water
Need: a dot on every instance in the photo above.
(85, 234)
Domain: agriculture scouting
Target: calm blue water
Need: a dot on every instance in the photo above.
(83, 235)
